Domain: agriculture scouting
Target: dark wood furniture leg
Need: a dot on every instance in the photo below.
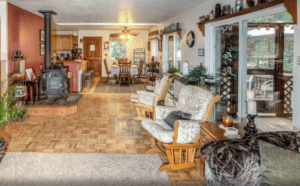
(28, 87)
(33, 93)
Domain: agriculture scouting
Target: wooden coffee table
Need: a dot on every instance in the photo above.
(210, 132)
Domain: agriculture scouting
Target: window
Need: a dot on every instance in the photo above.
(118, 49)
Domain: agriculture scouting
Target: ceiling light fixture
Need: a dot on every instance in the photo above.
(107, 24)
(122, 36)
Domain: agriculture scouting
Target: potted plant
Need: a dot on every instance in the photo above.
(174, 70)
(199, 76)
(10, 110)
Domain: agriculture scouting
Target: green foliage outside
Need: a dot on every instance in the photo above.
(118, 49)
(174, 70)
(262, 50)
(283, 16)
(8, 112)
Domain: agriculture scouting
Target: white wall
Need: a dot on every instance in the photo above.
(139, 41)
(4, 55)
(296, 92)
(188, 22)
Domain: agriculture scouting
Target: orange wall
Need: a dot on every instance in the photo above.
(23, 35)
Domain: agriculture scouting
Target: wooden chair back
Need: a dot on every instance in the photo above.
(166, 87)
(141, 66)
(106, 66)
(124, 69)
(120, 60)
(152, 59)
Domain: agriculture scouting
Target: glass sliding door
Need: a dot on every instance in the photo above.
(227, 65)
(171, 52)
(270, 63)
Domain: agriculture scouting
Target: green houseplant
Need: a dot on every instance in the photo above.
(174, 70)
(8, 112)
(199, 76)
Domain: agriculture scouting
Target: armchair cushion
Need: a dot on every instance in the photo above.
(187, 131)
(161, 112)
(147, 98)
(159, 130)
(195, 100)
(174, 116)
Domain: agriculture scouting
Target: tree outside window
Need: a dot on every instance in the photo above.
(118, 49)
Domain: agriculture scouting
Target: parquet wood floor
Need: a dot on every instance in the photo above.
(104, 124)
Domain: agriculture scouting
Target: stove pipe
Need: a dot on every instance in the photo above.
(47, 16)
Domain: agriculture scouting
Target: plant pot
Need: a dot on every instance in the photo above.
(3, 150)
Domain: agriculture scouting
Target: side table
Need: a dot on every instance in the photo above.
(210, 132)
(32, 84)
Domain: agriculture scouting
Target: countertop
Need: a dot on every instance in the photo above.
(72, 61)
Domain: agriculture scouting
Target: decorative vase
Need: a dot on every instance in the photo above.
(239, 5)
(202, 82)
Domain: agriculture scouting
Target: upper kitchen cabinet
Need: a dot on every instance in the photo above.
(62, 42)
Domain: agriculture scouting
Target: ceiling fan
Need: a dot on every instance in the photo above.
(126, 34)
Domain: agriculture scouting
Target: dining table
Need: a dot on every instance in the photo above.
(115, 70)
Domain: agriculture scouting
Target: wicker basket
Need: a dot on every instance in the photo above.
(3, 150)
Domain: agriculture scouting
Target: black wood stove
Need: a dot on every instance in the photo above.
(53, 79)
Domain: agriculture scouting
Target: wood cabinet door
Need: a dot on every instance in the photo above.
(65, 42)
(53, 43)
(92, 51)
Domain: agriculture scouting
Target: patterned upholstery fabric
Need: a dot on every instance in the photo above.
(194, 100)
(187, 131)
(237, 162)
(189, 102)
(159, 130)
(134, 97)
(147, 98)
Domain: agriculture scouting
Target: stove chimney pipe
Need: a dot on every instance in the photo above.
(47, 16)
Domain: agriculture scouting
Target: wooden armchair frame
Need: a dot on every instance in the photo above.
(181, 156)
(147, 111)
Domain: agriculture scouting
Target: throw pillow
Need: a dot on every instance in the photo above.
(279, 166)
(176, 115)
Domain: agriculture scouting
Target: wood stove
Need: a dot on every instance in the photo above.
(53, 79)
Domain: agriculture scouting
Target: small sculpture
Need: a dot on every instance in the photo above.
(203, 18)
(226, 10)
(251, 3)
(239, 5)
(211, 15)
(218, 11)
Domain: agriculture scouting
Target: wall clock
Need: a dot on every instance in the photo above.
(190, 39)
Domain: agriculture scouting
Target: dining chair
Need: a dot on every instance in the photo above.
(124, 75)
(140, 71)
(108, 72)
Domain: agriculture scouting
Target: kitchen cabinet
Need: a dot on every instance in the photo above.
(61, 42)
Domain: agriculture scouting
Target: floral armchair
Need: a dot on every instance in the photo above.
(181, 143)
(146, 101)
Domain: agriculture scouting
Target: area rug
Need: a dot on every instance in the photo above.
(103, 87)
(76, 169)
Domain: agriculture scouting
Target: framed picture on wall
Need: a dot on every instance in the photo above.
(201, 52)
(42, 35)
(148, 45)
(106, 45)
(160, 45)
(42, 49)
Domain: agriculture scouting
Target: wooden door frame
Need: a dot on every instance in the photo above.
(101, 51)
